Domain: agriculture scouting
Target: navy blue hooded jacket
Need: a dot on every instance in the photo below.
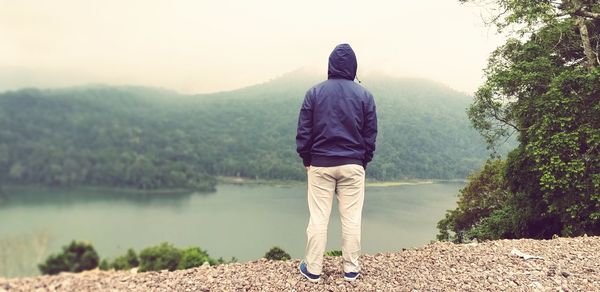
(338, 122)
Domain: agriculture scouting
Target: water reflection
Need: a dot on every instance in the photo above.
(13, 196)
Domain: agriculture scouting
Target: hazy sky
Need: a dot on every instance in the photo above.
(206, 46)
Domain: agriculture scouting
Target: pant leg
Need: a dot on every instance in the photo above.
(321, 187)
(351, 195)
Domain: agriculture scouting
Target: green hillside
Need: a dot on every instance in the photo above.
(153, 139)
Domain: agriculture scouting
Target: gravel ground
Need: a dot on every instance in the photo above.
(567, 264)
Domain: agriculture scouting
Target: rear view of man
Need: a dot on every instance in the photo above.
(336, 135)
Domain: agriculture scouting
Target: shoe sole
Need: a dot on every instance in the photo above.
(308, 278)
(350, 279)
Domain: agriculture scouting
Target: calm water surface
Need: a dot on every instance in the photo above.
(237, 220)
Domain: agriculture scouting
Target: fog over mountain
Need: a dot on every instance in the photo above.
(209, 46)
(152, 138)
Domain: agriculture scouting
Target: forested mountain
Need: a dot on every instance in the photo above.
(152, 138)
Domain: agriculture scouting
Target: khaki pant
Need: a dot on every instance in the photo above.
(348, 182)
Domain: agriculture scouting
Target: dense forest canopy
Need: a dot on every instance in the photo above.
(151, 138)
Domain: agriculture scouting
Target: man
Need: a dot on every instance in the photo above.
(336, 139)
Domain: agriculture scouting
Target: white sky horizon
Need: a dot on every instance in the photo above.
(203, 47)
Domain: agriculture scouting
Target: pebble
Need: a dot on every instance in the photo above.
(568, 264)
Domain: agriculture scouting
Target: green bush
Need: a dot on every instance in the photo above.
(277, 254)
(221, 261)
(80, 256)
(160, 257)
(127, 261)
(75, 257)
(485, 194)
(104, 265)
(333, 253)
(193, 257)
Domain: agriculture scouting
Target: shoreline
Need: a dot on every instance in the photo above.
(369, 183)
(221, 180)
(132, 191)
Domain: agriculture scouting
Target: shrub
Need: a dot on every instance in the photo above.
(221, 261)
(485, 194)
(104, 265)
(193, 257)
(75, 257)
(277, 254)
(333, 253)
(127, 261)
(79, 256)
(160, 257)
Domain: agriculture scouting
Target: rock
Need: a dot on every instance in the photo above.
(569, 264)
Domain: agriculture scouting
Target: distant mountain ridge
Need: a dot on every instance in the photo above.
(155, 138)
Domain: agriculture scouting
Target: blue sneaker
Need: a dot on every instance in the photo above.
(304, 271)
(351, 276)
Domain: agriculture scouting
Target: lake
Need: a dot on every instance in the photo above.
(242, 221)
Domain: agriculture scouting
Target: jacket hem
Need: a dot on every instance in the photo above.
(327, 161)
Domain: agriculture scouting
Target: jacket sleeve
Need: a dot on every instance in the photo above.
(370, 129)
(304, 138)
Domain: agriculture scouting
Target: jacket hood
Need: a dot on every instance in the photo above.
(342, 63)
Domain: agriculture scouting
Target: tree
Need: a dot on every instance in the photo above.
(16, 171)
(160, 257)
(536, 13)
(75, 257)
(484, 194)
(126, 261)
(277, 254)
(104, 265)
(545, 87)
(193, 257)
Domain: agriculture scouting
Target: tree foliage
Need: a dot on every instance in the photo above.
(277, 254)
(152, 139)
(127, 261)
(545, 89)
(333, 253)
(161, 257)
(80, 256)
(166, 256)
(484, 194)
(104, 265)
(194, 257)
(75, 257)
